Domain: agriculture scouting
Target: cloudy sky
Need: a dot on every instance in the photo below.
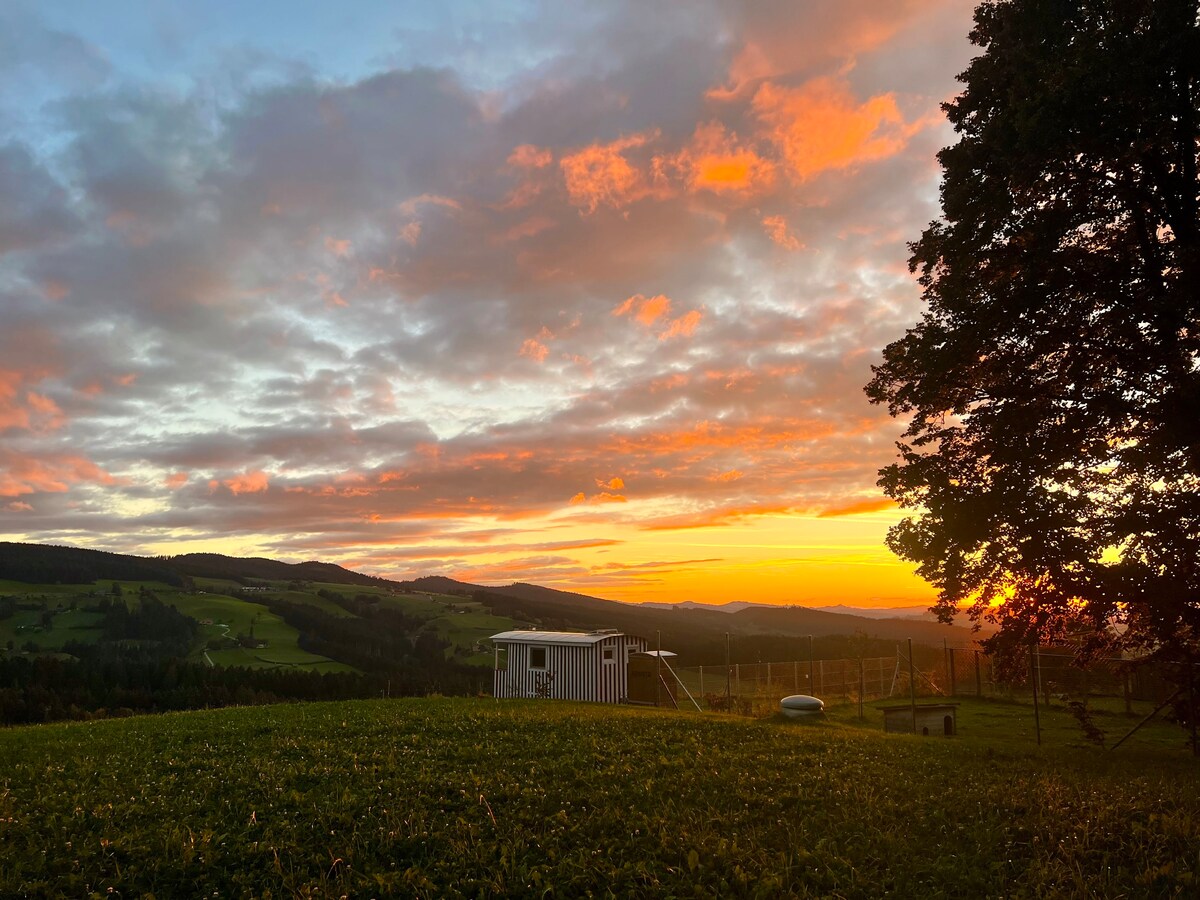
(576, 293)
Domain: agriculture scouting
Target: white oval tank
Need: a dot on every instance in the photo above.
(799, 705)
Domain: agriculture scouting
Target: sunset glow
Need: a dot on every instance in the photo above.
(515, 293)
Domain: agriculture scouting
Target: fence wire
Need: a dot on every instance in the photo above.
(960, 671)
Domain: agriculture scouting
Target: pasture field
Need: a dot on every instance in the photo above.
(458, 620)
(470, 797)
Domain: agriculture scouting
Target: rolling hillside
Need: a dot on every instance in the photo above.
(690, 626)
(296, 611)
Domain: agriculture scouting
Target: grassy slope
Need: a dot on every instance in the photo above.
(231, 615)
(479, 798)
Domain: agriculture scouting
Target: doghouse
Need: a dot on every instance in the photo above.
(932, 718)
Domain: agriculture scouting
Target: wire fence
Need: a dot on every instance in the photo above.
(951, 671)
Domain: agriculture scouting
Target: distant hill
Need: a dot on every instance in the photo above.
(694, 629)
(887, 612)
(867, 612)
(214, 565)
(46, 564)
(730, 606)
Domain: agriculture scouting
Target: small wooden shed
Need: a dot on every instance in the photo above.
(931, 718)
(648, 684)
(564, 665)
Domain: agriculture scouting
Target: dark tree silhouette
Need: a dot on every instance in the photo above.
(1052, 459)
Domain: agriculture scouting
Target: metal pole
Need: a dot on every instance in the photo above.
(702, 681)
(912, 687)
(811, 686)
(978, 677)
(682, 685)
(862, 686)
(953, 679)
(658, 671)
(1037, 662)
(1192, 705)
(1157, 710)
(1037, 716)
(728, 686)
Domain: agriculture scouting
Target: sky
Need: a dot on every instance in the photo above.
(580, 294)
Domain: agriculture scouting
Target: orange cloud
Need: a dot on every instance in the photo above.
(646, 310)
(821, 126)
(19, 506)
(529, 156)
(858, 506)
(26, 409)
(247, 483)
(719, 516)
(652, 309)
(613, 484)
(40, 403)
(535, 348)
(176, 480)
(601, 175)
(812, 33)
(716, 162)
(777, 229)
(684, 325)
(528, 228)
(413, 206)
(706, 436)
(339, 248)
(54, 474)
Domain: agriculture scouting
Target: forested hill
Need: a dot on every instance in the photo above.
(696, 631)
(702, 629)
(214, 565)
(44, 564)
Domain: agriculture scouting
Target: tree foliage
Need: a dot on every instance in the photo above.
(1052, 457)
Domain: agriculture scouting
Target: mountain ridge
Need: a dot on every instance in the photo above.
(544, 605)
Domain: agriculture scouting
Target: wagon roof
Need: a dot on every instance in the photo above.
(554, 637)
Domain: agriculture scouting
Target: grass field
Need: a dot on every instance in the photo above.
(460, 621)
(434, 798)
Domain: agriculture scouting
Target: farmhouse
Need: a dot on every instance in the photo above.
(564, 665)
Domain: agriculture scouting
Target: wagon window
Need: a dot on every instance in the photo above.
(610, 654)
(537, 657)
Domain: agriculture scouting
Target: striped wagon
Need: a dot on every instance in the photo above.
(564, 665)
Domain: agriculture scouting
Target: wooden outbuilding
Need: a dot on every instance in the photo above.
(564, 665)
(931, 718)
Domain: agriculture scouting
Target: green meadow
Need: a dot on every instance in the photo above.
(461, 622)
(480, 798)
